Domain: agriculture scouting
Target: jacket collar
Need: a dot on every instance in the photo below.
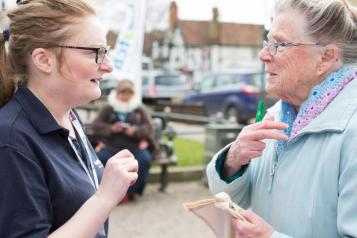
(338, 113)
(39, 115)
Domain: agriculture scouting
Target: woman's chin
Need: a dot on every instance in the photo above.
(94, 95)
(272, 92)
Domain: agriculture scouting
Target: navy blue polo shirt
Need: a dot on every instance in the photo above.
(42, 184)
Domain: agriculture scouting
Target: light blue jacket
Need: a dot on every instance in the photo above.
(311, 189)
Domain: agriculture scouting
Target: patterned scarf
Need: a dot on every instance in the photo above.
(319, 98)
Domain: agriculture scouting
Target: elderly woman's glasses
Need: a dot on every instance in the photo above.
(274, 46)
(100, 52)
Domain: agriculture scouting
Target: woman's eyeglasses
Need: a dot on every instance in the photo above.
(100, 52)
(274, 46)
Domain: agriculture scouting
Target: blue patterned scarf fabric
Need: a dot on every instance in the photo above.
(319, 98)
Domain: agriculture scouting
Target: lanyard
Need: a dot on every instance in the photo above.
(89, 169)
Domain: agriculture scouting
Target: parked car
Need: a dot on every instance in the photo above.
(235, 93)
(164, 85)
(156, 85)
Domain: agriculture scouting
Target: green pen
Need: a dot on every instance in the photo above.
(260, 111)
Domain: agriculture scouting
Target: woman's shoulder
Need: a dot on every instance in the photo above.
(17, 132)
(10, 117)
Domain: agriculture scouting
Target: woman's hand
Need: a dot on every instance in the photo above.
(249, 145)
(255, 226)
(117, 127)
(130, 130)
(120, 172)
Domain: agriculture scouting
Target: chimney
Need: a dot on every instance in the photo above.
(173, 18)
(214, 27)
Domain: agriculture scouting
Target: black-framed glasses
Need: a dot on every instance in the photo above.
(100, 52)
(274, 46)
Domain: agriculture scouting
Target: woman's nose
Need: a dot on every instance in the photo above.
(264, 54)
(106, 65)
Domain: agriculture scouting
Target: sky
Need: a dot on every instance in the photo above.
(112, 12)
(238, 11)
(242, 11)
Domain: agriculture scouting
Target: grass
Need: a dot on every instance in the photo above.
(189, 152)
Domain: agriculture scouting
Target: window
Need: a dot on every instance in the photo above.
(225, 79)
(170, 80)
(146, 80)
(207, 83)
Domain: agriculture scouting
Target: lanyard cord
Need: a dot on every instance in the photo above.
(83, 142)
(90, 169)
(84, 167)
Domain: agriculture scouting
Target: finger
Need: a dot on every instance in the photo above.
(253, 145)
(132, 166)
(248, 155)
(123, 153)
(267, 134)
(242, 227)
(250, 216)
(120, 161)
(267, 124)
(268, 118)
(247, 214)
(133, 178)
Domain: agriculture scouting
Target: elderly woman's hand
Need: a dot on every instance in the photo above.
(255, 226)
(249, 145)
(120, 172)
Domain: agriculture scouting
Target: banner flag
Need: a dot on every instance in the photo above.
(129, 45)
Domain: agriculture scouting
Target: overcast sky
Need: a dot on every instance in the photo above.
(242, 11)
(239, 11)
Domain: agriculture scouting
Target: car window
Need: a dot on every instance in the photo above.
(225, 79)
(207, 83)
(170, 80)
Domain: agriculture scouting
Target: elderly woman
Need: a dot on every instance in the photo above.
(126, 124)
(296, 170)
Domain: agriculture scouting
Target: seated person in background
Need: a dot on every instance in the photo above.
(125, 123)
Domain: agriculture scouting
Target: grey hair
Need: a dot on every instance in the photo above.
(328, 21)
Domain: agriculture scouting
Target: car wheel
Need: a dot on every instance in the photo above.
(232, 112)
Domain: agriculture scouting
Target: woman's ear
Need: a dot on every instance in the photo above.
(330, 59)
(43, 60)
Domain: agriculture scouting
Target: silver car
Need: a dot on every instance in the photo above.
(164, 85)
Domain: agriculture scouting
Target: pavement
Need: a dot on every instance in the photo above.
(161, 215)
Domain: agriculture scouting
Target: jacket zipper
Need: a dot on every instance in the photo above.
(275, 164)
(273, 169)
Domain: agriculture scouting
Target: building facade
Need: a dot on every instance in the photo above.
(203, 46)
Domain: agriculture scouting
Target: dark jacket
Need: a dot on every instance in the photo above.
(140, 118)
